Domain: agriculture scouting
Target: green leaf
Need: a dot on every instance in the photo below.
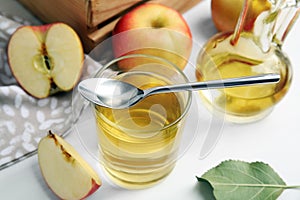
(236, 180)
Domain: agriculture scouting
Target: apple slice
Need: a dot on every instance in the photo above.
(45, 59)
(67, 174)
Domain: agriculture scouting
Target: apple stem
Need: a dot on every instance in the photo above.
(240, 24)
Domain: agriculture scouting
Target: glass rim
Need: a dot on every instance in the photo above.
(188, 102)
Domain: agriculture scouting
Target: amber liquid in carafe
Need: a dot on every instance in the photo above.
(222, 60)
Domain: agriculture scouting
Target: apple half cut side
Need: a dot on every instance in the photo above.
(45, 59)
(67, 174)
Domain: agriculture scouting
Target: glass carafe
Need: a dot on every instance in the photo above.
(246, 52)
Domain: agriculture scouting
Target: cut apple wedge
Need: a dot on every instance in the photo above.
(67, 174)
(45, 59)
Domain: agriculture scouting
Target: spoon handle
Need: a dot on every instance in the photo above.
(215, 84)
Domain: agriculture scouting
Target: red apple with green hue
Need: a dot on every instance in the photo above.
(153, 29)
(225, 13)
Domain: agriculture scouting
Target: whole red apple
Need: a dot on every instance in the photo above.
(153, 29)
(225, 13)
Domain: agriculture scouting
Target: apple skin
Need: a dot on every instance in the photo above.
(45, 59)
(66, 173)
(225, 13)
(152, 29)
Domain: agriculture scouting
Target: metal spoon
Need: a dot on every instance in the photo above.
(117, 94)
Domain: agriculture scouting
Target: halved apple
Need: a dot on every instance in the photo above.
(45, 59)
(67, 174)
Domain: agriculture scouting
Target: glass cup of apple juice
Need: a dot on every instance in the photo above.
(139, 145)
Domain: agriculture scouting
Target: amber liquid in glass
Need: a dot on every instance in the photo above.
(223, 60)
(139, 145)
